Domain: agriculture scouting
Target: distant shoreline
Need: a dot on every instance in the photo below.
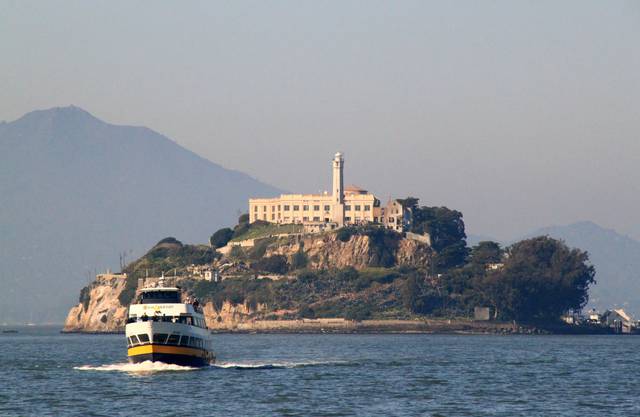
(431, 326)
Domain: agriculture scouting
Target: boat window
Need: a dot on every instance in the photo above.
(173, 339)
(160, 338)
(192, 341)
(153, 297)
(134, 340)
(184, 341)
(143, 338)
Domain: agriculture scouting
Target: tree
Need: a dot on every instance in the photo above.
(486, 252)
(221, 237)
(542, 279)
(446, 229)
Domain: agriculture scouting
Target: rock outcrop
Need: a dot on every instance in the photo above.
(100, 310)
(327, 251)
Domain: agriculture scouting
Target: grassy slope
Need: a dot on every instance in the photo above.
(266, 230)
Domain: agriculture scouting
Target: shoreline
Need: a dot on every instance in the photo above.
(429, 326)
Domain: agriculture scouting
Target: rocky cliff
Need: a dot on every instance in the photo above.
(326, 251)
(100, 309)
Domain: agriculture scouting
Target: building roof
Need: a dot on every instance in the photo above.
(623, 314)
(354, 189)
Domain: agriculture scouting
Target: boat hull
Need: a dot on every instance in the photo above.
(175, 355)
(170, 358)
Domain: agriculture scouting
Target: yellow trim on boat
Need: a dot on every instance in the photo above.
(176, 350)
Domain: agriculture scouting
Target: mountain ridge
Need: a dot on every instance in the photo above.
(78, 191)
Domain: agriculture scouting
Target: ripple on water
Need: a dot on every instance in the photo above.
(142, 367)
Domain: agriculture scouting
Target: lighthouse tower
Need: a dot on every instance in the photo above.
(338, 189)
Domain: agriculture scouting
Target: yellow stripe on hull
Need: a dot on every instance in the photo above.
(175, 350)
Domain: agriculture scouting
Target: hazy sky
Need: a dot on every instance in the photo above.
(519, 114)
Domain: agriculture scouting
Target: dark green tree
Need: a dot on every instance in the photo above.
(221, 237)
(542, 279)
(486, 252)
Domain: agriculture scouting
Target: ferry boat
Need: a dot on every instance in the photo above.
(162, 328)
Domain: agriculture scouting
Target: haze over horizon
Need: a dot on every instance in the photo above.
(520, 115)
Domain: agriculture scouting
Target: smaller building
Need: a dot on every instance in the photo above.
(481, 313)
(618, 320)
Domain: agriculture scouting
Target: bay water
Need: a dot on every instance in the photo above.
(45, 373)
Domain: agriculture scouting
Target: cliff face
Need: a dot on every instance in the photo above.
(327, 251)
(102, 312)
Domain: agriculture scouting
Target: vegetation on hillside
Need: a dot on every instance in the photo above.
(260, 229)
(446, 229)
(536, 279)
(169, 256)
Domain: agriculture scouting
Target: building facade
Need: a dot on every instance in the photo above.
(349, 205)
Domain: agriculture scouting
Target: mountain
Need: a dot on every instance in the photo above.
(76, 192)
(615, 257)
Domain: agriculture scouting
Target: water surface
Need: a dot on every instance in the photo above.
(46, 373)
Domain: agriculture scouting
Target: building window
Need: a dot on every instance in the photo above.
(327, 208)
(255, 208)
(375, 220)
(264, 216)
(305, 219)
(278, 207)
(347, 219)
(296, 208)
(358, 208)
(367, 208)
(316, 208)
(286, 207)
(316, 219)
(264, 208)
(305, 208)
(347, 208)
(273, 216)
(391, 220)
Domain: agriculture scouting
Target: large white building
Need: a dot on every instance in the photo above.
(343, 206)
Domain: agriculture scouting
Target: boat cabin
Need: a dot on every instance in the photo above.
(160, 296)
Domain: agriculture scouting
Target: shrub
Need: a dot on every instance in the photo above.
(344, 234)
(244, 218)
(306, 312)
(347, 274)
(276, 264)
(237, 252)
(307, 277)
(299, 260)
(171, 240)
(358, 312)
(260, 248)
(221, 237)
(85, 297)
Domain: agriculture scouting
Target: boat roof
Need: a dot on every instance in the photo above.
(149, 289)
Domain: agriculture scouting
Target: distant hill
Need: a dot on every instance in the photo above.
(615, 257)
(77, 191)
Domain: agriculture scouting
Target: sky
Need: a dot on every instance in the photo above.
(520, 114)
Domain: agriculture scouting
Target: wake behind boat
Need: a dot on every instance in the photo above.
(162, 328)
